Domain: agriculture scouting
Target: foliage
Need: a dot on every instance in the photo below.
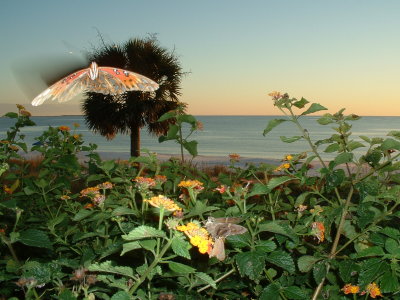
(77, 227)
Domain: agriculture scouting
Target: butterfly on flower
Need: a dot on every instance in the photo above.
(104, 80)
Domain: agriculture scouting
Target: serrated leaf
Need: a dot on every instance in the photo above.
(290, 139)
(314, 108)
(251, 264)
(206, 279)
(277, 181)
(130, 246)
(370, 251)
(389, 283)
(143, 232)
(281, 259)
(11, 115)
(191, 147)
(306, 263)
(346, 269)
(272, 124)
(354, 145)
(109, 267)
(180, 247)
(294, 292)
(266, 246)
(370, 270)
(122, 210)
(66, 294)
(275, 227)
(332, 148)
(82, 214)
(389, 144)
(180, 268)
(342, 158)
(325, 119)
(121, 295)
(271, 292)
(35, 238)
(300, 103)
(319, 271)
(392, 246)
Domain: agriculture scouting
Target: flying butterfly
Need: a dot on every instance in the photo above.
(220, 228)
(105, 80)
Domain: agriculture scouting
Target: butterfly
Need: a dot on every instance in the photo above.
(105, 80)
(220, 228)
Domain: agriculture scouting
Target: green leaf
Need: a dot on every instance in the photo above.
(390, 144)
(306, 263)
(108, 267)
(172, 132)
(149, 245)
(319, 271)
(251, 264)
(277, 181)
(389, 282)
(325, 119)
(35, 238)
(166, 116)
(301, 103)
(346, 269)
(143, 232)
(199, 209)
(290, 139)
(272, 124)
(271, 292)
(206, 279)
(354, 145)
(392, 246)
(11, 115)
(314, 108)
(266, 246)
(332, 148)
(121, 295)
(122, 210)
(370, 251)
(130, 246)
(180, 268)
(191, 147)
(65, 295)
(394, 133)
(373, 158)
(342, 158)
(370, 270)
(335, 178)
(275, 227)
(82, 214)
(188, 119)
(180, 247)
(282, 259)
(294, 292)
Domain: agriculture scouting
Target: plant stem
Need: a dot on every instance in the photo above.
(151, 267)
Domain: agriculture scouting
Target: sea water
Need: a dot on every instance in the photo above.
(221, 135)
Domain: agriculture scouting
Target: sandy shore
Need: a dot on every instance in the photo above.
(201, 160)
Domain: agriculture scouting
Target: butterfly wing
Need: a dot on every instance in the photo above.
(118, 81)
(218, 249)
(64, 89)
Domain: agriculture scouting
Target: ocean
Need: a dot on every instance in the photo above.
(221, 135)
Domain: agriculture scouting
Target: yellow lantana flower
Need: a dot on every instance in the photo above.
(162, 201)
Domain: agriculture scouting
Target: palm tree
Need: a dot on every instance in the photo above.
(129, 112)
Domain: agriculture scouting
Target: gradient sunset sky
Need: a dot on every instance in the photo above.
(341, 53)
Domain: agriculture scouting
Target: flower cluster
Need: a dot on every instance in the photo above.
(94, 192)
(221, 189)
(283, 166)
(163, 201)
(234, 157)
(350, 289)
(318, 230)
(198, 236)
(372, 289)
(63, 128)
(105, 185)
(275, 95)
(144, 183)
(191, 184)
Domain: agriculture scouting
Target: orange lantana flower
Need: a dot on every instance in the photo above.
(350, 289)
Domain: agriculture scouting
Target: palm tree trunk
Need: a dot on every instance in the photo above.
(135, 141)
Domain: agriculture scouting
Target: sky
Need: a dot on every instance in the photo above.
(339, 53)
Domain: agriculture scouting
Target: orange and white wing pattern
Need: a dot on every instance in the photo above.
(64, 89)
(120, 81)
